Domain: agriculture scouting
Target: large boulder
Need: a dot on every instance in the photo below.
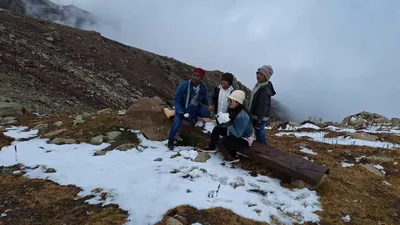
(364, 118)
(148, 116)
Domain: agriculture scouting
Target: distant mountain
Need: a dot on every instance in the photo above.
(44, 9)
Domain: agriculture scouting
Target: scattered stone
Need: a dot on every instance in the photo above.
(100, 152)
(104, 111)
(78, 120)
(363, 119)
(202, 157)
(188, 191)
(8, 120)
(381, 159)
(126, 147)
(50, 39)
(181, 218)
(372, 169)
(158, 160)
(61, 141)
(175, 155)
(50, 170)
(58, 124)
(175, 171)
(238, 182)
(86, 115)
(9, 108)
(363, 136)
(122, 112)
(54, 133)
(255, 186)
(40, 127)
(112, 135)
(294, 124)
(98, 140)
(173, 221)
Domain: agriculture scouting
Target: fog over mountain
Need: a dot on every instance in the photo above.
(331, 58)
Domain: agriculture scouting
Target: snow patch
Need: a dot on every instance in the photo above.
(310, 125)
(346, 218)
(20, 132)
(344, 164)
(191, 154)
(137, 178)
(308, 151)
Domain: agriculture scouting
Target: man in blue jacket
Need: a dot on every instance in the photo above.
(190, 100)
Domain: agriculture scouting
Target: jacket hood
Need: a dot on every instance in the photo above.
(271, 88)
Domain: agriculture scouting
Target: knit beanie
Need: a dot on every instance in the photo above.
(266, 70)
(228, 77)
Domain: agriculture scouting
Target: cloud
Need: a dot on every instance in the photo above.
(331, 58)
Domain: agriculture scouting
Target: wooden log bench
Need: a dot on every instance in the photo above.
(289, 164)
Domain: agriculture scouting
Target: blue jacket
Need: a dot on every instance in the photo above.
(180, 99)
(242, 126)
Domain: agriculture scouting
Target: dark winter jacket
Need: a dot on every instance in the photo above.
(183, 103)
(213, 100)
(260, 108)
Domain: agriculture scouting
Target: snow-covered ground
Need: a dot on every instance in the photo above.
(147, 188)
(319, 137)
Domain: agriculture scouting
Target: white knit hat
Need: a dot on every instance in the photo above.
(238, 95)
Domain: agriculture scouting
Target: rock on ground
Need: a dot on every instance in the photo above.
(126, 147)
(60, 141)
(58, 124)
(40, 127)
(98, 140)
(9, 108)
(8, 120)
(202, 157)
(173, 221)
(54, 133)
(363, 119)
(112, 135)
(147, 115)
(363, 136)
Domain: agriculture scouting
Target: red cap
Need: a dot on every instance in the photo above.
(200, 71)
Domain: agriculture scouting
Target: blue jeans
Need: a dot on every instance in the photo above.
(203, 112)
(260, 133)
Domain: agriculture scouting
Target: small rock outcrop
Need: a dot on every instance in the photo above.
(54, 133)
(98, 140)
(147, 115)
(364, 119)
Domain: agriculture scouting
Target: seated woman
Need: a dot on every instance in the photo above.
(238, 134)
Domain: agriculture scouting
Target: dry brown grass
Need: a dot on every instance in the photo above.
(4, 140)
(207, 216)
(32, 201)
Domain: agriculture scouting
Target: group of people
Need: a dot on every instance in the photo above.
(246, 120)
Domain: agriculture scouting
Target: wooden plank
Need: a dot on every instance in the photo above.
(290, 164)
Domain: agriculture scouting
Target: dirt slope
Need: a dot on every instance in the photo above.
(49, 66)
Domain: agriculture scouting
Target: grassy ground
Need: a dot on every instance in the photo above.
(350, 191)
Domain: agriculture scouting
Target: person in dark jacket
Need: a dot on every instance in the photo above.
(219, 97)
(260, 101)
(190, 102)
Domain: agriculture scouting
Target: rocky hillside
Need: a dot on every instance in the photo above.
(47, 10)
(49, 66)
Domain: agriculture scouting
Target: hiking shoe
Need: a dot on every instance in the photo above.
(231, 159)
(208, 150)
(170, 145)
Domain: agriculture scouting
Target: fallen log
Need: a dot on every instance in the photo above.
(292, 165)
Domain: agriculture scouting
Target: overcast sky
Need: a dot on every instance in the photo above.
(331, 58)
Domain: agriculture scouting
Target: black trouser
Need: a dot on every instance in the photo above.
(216, 132)
(232, 144)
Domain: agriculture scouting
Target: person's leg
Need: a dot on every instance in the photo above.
(216, 132)
(260, 133)
(174, 129)
(203, 112)
(232, 144)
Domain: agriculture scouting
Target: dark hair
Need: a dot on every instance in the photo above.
(234, 112)
(228, 77)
